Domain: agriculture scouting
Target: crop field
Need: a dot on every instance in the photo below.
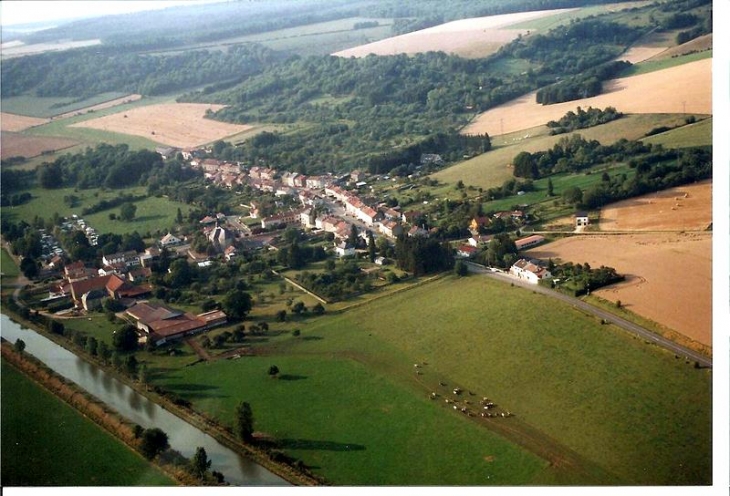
(651, 289)
(15, 122)
(175, 124)
(580, 401)
(493, 168)
(7, 265)
(689, 93)
(39, 431)
(476, 37)
(21, 145)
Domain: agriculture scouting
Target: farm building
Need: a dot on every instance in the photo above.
(162, 323)
(529, 270)
(529, 241)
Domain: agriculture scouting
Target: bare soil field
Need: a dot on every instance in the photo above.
(687, 208)
(19, 145)
(16, 123)
(686, 88)
(476, 37)
(100, 106)
(174, 124)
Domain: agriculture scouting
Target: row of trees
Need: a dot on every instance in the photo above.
(581, 119)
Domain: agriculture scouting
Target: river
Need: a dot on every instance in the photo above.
(183, 437)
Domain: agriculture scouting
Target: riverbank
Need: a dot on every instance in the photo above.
(223, 435)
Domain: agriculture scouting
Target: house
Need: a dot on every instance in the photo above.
(128, 258)
(293, 216)
(161, 323)
(416, 231)
(390, 228)
(529, 241)
(581, 219)
(77, 271)
(342, 249)
(167, 151)
(467, 251)
(230, 253)
(169, 240)
(480, 239)
(529, 270)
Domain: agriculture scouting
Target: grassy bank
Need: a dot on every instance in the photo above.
(45, 442)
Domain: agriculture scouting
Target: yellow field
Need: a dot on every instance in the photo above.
(476, 37)
(682, 89)
(16, 123)
(174, 124)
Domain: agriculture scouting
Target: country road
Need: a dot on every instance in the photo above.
(643, 333)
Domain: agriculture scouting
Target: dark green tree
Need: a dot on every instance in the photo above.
(460, 268)
(372, 250)
(200, 463)
(127, 212)
(154, 442)
(273, 371)
(244, 421)
(125, 339)
(19, 346)
(236, 304)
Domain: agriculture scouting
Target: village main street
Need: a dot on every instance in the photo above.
(631, 327)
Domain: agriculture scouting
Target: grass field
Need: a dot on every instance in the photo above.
(47, 443)
(7, 265)
(48, 107)
(587, 388)
(697, 134)
(658, 65)
(153, 214)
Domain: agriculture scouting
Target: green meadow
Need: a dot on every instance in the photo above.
(349, 403)
(34, 106)
(153, 215)
(47, 443)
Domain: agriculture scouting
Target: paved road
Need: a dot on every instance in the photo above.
(609, 317)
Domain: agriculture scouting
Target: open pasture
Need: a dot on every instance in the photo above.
(475, 37)
(369, 420)
(45, 442)
(690, 93)
(21, 50)
(101, 106)
(175, 124)
(20, 145)
(661, 269)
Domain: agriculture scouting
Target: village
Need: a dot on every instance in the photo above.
(331, 206)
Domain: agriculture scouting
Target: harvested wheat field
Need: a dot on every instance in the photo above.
(685, 88)
(174, 124)
(19, 145)
(687, 208)
(638, 54)
(16, 123)
(476, 37)
(668, 275)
